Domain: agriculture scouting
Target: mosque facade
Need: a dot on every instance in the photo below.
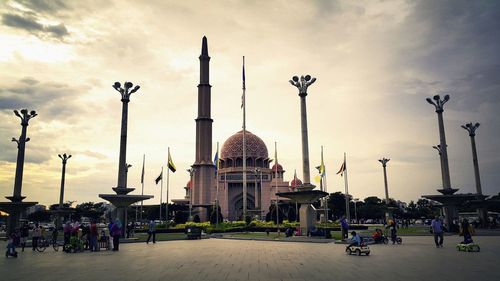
(207, 185)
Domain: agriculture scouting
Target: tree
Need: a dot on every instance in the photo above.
(373, 208)
(336, 204)
(39, 216)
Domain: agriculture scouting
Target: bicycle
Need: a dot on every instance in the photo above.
(44, 243)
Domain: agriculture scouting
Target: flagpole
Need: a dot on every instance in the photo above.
(142, 181)
(348, 215)
(161, 190)
(217, 191)
(244, 147)
(326, 197)
(276, 183)
(168, 182)
(295, 189)
(323, 184)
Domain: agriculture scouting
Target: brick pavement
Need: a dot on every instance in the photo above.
(222, 259)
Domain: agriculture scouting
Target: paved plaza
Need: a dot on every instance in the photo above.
(224, 259)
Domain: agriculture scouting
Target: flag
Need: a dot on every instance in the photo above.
(322, 168)
(317, 178)
(216, 160)
(142, 175)
(244, 87)
(171, 165)
(342, 169)
(159, 178)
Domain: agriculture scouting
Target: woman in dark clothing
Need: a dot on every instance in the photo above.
(466, 230)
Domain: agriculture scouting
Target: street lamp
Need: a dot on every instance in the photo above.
(438, 104)
(302, 85)
(384, 165)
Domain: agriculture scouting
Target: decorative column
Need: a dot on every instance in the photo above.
(64, 159)
(449, 201)
(438, 148)
(438, 104)
(121, 200)
(305, 194)
(302, 85)
(471, 129)
(16, 206)
(384, 161)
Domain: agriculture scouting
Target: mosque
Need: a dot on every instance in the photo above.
(204, 187)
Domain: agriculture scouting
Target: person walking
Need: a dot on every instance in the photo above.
(438, 230)
(25, 232)
(151, 231)
(116, 232)
(37, 233)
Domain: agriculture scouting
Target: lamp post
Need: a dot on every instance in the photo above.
(471, 129)
(302, 85)
(384, 165)
(64, 159)
(438, 148)
(122, 200)
(21, 148)
(439, 106)
(16, 206)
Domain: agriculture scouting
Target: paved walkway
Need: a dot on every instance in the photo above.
(222, 259)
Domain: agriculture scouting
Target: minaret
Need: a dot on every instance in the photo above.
(204, 170)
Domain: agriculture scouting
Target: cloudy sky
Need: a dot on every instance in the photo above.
(375, 63)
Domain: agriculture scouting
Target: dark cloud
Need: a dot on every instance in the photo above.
(49, 6)
(29, 23)
(54, 100)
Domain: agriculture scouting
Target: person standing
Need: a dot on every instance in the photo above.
(151, 231)
(93, 233)
(37, 233)
(437, 229)
(466, 231)
(345, 227)
(116, 232)
(67, 228)
(25, 232)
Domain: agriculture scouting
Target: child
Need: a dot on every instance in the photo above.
(11, 248)
(356, 239)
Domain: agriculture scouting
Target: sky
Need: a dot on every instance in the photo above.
(375, 62)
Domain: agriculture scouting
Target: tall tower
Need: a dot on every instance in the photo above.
(204, 170)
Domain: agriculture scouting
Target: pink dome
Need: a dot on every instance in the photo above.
(295, 182)
(233, 146)
(188, 185)
(280, 168)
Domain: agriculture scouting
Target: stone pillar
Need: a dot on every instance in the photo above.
(471, 129)
(444, 150)
(16, 206)
(384, 161)
(302, 85)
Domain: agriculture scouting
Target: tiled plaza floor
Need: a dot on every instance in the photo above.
(222, 259)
